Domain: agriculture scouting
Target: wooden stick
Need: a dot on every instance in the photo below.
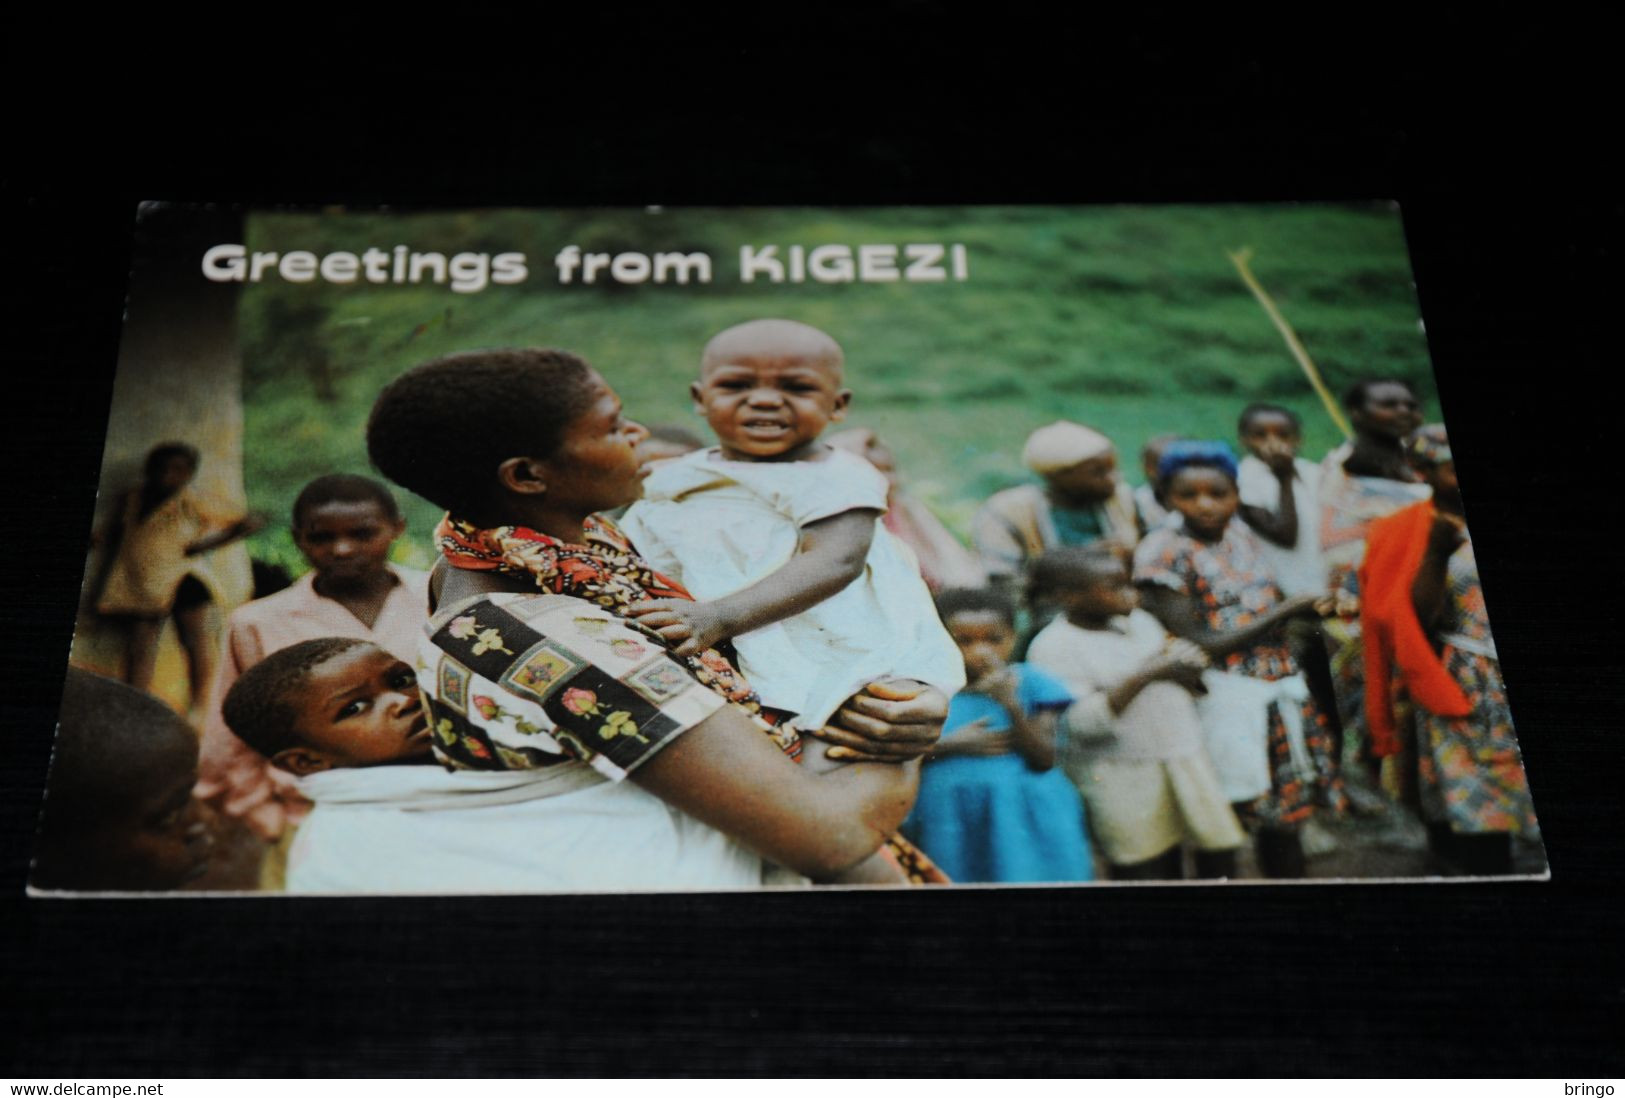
(1292, 342)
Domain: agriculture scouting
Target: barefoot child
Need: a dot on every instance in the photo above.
(777, 535)
(345, 718)
(1133, 740)
(991, 806)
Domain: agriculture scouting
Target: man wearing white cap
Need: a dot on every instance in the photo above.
(1081, 500)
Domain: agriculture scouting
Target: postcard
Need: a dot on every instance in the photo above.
(562, 550)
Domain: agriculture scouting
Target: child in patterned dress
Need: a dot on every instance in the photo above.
(1207, 580)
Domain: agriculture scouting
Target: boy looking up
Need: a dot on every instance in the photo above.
(344, 525)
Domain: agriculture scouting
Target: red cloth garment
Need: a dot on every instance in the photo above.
(1396, 645)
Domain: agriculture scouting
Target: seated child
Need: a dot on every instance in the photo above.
(344, 525)
(777, 535)
(1133, 741)
(346, 718)
(119, 814)
(991, 808)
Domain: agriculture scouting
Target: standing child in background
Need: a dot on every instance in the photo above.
(1207, 580)
(119, 814)
(1280, 501)
(991, 807)
(777, 534)
(1132, 742)
(344, 525)
(159, 570)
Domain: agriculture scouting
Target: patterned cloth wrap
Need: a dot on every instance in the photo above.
(605, 570)
(1231, 586)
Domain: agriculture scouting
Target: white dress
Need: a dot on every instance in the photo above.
(719, 526)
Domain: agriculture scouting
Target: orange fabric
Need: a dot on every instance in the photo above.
(1396, 646)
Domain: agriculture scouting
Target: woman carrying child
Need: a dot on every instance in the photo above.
(1207, 580)
(535, 445)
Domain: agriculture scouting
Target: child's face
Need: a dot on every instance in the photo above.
(1266, 431)
(984, 638)
(597, 466)
(1205, 497)
(768, 404)
(360, 708)
(1102, 592)
(1390, 410)
(347, 542)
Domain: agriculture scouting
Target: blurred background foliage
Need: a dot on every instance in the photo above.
(1131, 319)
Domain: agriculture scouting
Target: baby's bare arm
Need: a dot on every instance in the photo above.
(831, 554)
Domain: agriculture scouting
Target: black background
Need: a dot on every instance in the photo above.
(1491, 140)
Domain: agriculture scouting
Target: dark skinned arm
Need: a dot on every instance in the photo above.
(1031, 736)
(1432, 578)
(239, 529)
(972, 741)
(831, 554)
(1279, 526)
(1180, 616)
(725, 773)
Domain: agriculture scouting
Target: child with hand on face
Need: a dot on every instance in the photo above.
(991, 807)
(1279, 500)
(777, 535)
(344, 525)
(1133, 741)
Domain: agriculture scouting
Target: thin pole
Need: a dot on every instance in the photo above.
(1293, 344)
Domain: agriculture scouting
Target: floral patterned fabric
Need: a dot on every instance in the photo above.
(605, 570)
(1472, 775)
(517, 682)
(1232, 586)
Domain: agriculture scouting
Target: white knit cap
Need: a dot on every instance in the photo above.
(1062, 445)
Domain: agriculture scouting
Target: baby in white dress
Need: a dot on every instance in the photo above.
(778, 535)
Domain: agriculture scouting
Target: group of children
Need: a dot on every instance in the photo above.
(1158, 706)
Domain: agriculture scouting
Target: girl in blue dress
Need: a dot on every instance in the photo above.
(992, 807)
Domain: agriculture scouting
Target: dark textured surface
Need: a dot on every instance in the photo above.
(1488, 144)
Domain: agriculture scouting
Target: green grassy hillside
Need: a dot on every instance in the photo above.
(1131, 319)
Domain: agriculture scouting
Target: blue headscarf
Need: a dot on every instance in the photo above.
(1184, 453)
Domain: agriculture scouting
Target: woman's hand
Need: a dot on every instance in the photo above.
(890, 720)
(688, 628)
